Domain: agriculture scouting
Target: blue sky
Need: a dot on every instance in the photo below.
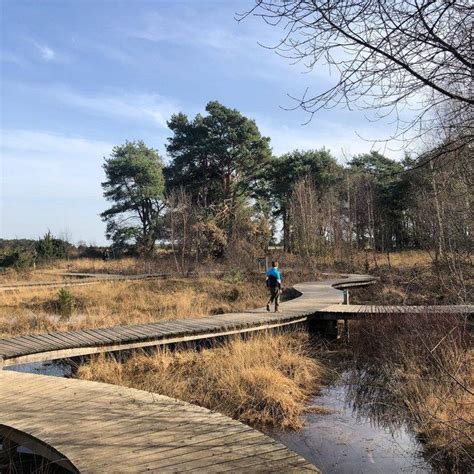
(78, 77)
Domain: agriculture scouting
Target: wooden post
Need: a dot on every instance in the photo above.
(346, 297)
(346, 322)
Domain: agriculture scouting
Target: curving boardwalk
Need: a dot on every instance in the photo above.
(94, 427)
(315, 296)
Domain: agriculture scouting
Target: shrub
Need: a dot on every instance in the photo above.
(264, 380)
(65, 303)
(50, 248)
(17, 259)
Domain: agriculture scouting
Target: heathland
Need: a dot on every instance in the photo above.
(413, 369)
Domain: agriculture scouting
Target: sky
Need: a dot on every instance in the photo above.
(79, 77)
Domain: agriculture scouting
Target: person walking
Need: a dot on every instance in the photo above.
(273, 282)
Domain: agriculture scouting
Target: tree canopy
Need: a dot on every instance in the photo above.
(226, 196)
(285, 171)
(217, 158)
(135, 186)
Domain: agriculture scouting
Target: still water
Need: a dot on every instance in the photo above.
(53, 368)
(344, 441)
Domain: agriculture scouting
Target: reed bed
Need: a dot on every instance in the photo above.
(111, 303)
(418, 369)
(263, 380)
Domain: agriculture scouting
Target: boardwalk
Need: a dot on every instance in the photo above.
(95, 427)
(337, 311)
(66, 279)
(59, 345)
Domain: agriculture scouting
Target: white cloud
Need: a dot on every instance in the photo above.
(140, 106)
(46, 53)
(232, 39)
(51, 165)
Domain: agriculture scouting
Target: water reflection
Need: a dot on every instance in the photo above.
(375, 393)
(57, 368)
(371, 394)
(350, 440)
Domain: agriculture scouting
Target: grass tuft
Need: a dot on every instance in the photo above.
(264, 380)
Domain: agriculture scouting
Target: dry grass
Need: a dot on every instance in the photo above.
(264, 380)
(51, 272)
(10, 276)
(162, 262)
(108, 304)
(357, 260)
(404, 260)
(125, 266)
(418, 285)
(419, 368)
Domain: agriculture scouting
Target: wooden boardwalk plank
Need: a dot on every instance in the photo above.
(136, 430)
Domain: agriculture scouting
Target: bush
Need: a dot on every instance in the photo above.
(65, 303)
(17, 259)
(51, 248)
(264, 380)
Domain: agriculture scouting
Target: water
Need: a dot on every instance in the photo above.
(53, 368)
(343, 441)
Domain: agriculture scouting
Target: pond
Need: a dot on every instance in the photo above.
(347, 441)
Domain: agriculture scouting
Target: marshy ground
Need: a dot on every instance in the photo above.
(410, 370)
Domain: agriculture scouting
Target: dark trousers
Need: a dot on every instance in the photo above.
(274, 296)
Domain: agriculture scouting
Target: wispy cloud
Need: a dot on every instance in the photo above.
(139, 106)
(51, 165)
(142, 107)
(225, 39)
(158, 28)
(46, 53)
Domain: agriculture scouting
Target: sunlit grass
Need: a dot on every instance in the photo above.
(264, 380)
(105, 304)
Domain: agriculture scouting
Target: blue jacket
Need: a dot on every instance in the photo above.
(273, 274)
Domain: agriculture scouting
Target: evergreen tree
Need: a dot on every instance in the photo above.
(284, 173)
(218, 159)
(135, 185)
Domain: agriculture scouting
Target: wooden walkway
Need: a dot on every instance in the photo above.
(81, 279)
(351, 311)
(94, 427)
(60, 345)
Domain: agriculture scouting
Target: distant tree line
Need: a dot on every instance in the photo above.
(223, 191)
(23, 254)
